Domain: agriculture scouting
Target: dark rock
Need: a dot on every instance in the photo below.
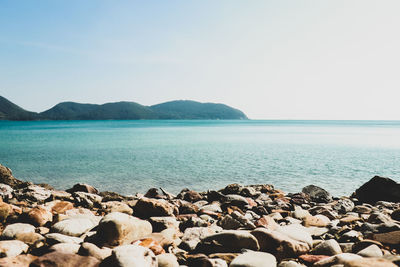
(83, 188)
(378, 188)
(317, 194)
(111, 196)
(149, 207)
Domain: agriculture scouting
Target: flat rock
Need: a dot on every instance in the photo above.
(33, 193)
(12, 248)
(116, 206)
(12, 230)
(29, 238)
(392, 238)
(73, 226)
(119, 228)
(337, 259)
(54, 238)
(254, 259)
(60, 207)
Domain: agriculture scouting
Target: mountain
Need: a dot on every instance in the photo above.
(10, 111)
(174, 110)
(108, 111)
(187, 110)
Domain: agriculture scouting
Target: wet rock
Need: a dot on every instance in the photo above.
(6, 192)
(12, 248)
(378, 188)
(18, 261)
(131, 256)
(148, 207)
(39, 216)
(12, 230)
(74, 226)
(329, 247)
(167, 260)
(64, 259)
(116, 206)
(228, 241)
(119, 228)
(83, 188)
(254, 259)
(54, 238)
(317, 194)
(190, 195)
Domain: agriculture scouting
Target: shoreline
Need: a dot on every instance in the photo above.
(255, 224)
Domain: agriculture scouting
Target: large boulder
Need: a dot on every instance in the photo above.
(378, 188)
(118, 228)
(80, 187)
(19, 261)
(33, 193)
(317, 194)
(40, 215)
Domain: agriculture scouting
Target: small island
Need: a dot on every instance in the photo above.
(173, 110)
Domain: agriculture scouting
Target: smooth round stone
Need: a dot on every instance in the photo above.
(254, 259)
(167, 260)
(16, 228)
(329, 247)
(371, 251)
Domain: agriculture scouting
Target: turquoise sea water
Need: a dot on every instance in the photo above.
(132, 156)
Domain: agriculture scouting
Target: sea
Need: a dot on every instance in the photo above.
(130, 157)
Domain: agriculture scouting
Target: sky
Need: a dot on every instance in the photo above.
(298, 59)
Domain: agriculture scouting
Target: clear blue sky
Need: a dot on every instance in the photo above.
(336, 59)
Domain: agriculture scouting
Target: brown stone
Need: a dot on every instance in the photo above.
(151, 244)
(311, 259)
(5, 210)
(64, 260)
(392, 238)
(267, 222)
(149, 207)
(29, 238)
(39, 216)
(61, 207)
(370, 262)
(314, 221)
(18, 261)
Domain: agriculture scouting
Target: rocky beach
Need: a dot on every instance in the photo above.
(237, 226)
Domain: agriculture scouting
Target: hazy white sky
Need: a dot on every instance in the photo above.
(272, 59)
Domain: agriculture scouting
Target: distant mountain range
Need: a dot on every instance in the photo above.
(173, 110)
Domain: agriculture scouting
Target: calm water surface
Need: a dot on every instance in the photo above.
(132, 156)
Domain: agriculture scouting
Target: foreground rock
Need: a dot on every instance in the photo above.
(255, 225)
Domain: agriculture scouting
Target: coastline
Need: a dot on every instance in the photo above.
(256, 224)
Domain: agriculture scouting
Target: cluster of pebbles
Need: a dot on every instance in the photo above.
(246, 226)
